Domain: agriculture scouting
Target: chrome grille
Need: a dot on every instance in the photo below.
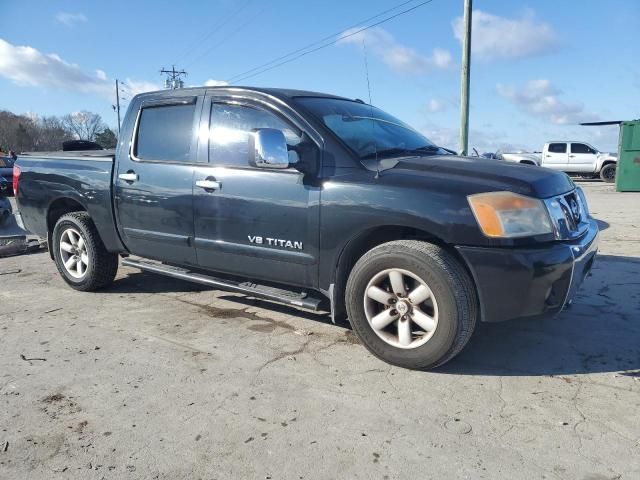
(568, 215)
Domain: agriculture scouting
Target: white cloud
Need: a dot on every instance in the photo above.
(495, 37)
(541, 99)
(70, 19)
(482, 140)
(399, 57)
(215, 83)
(135, 87)
(26, 66)
(434, 105)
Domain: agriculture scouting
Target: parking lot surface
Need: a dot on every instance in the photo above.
(158, 378)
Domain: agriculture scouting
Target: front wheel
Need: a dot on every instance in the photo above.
(608, 173)
(411, 303)
(81, 257)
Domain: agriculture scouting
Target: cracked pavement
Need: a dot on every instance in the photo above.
(158, 378)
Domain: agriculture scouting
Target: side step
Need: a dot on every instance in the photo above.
(248, 288)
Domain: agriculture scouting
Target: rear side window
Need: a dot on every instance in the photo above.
(230, 128)
(165, 133)
(558, 147)
(580, 148)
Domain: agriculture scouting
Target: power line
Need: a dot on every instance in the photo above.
(227, 37)
(328, 37)
(341, 36)
(216, 28)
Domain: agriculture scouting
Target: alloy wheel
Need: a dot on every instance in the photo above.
(401, 308)
(73, 252)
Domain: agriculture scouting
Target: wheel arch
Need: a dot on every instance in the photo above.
(370, 238)
(57, 208)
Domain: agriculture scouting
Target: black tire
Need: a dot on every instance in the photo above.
(102, 265)
(608, 173)
(450, 284)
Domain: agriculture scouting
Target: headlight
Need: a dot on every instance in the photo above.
(509, 215)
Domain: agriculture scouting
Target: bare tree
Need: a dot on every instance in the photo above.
(50, 133)
(24, 133)
(85, 125)
(17, 132)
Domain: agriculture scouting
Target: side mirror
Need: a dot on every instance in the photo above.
(268, 149)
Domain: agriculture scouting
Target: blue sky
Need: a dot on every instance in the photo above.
(539, 67)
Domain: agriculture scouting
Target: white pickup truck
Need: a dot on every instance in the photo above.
(579, 158)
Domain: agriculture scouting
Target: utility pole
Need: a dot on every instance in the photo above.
(173, 79)
(465, 79)
(118, 105)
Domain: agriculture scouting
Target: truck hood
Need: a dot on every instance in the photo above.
(481, 174)
(534, 157)
(607, 155)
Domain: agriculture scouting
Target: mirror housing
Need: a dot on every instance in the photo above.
(268, 149)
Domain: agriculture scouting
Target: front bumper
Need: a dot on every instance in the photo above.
(530, 282)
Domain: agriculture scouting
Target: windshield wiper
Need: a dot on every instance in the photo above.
(401, 151)
(385, 152)
(427, 148)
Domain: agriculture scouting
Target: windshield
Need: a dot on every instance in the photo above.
(367, 130)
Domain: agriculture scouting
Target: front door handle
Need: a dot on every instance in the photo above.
(208, 184)
(130, 176)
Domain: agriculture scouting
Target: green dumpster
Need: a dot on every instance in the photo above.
(628, 174)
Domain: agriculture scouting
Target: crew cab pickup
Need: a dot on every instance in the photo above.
(579, 158)
(320, 202)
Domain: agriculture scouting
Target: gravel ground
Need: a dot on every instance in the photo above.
(157, 378)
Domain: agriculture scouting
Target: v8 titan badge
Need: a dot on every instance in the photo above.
(275, 242)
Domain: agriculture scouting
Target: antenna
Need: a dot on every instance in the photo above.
(375, 144)
(173, 80)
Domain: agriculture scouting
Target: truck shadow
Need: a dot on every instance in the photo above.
(143, 282)
(599, 332)
(602, 225)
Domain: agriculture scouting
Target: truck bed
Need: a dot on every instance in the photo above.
(80, 180)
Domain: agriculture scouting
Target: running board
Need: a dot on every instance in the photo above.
(248, 288)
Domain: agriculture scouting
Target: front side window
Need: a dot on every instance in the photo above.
(581, 148)
(231, 125)
(367, 130)
(558, 148)
(165, 133)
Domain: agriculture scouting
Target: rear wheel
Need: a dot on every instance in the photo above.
(81, 257)
(608, 173)
(411, 303)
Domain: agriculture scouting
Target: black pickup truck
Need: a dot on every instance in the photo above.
(311, 200)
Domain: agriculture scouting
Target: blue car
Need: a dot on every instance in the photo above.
(5, 185)
(6, 172)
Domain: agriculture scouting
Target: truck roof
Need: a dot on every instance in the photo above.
(283, 93)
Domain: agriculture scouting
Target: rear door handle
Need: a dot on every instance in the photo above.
(209, 184)
(129, 176)
(571, 156)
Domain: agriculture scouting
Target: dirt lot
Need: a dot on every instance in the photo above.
(156, 378)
